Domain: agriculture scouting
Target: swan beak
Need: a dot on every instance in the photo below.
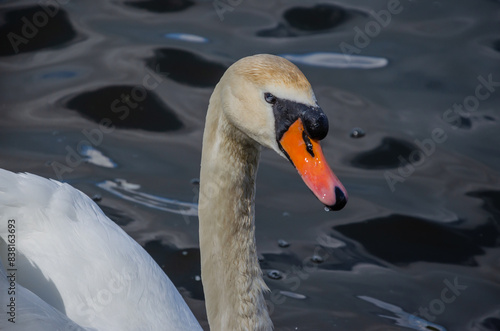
(307, 157)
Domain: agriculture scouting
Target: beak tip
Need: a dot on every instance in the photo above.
(340, 199)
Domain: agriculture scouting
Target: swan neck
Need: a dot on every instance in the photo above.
(231, 275)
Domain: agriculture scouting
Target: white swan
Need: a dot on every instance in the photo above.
(77, 270)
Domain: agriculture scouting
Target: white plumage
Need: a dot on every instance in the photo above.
(74, 262)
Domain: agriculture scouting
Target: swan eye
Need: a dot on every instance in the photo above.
(269, 98)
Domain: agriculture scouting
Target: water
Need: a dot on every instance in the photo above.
(110, 96)
(357, 133)
(274, 274)
(283, 243)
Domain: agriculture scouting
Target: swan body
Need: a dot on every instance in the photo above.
(77, 270)
(75, 259)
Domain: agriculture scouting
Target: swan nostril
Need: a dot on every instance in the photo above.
(340, 200)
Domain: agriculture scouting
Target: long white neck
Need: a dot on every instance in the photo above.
(232, 278)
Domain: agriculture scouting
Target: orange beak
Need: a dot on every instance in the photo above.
(307, 157)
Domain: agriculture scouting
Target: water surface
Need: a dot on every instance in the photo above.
(111, 96)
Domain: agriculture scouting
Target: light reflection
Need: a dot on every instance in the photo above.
(403, 318)
(129, 191)
(337, 60)
(192, 38)
(96, 157)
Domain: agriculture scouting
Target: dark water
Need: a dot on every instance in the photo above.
(110, 96)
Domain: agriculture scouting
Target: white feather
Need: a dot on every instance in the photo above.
(81, 266)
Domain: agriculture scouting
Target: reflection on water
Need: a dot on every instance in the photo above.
(387, 155)
(96, 157)
(161, 6)
(186, 67)
(336, 60)
(141, 74)
(183, 266)
(293, 295)
(403, 318)
(34, 28)
(443, 244)
(318, 18)
(302, 21)
(129, 191)
(128, 107)
(187, 37)
(496, 45)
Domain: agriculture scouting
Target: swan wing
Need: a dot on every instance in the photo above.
(24, 310)
(74, 258)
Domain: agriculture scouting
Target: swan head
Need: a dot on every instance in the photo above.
(272, 102)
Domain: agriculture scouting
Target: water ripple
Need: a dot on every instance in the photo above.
(161, 6)
(192, 38)
(127, 107)
(129, 191)
(33, 28)
(403, 318)
(187, 67)
(96, 157)
(337, 60)
(293, 295)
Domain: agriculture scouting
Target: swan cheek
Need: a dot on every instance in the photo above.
(307, 157)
